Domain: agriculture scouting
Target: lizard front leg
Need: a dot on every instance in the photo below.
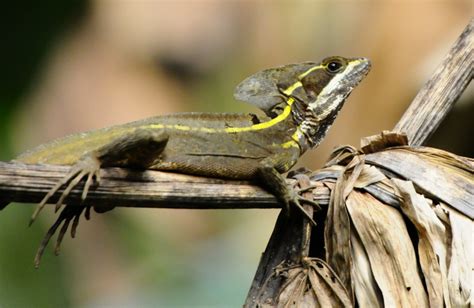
(274, 181)
(139, 150)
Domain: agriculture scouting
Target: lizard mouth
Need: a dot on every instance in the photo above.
(361, 68)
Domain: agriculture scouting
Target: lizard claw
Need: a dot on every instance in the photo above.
(68, 213)
(309, 201)
(88, 167)
(296, 202)
(306, 189)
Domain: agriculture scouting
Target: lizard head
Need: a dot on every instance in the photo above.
(319, 93)
(315, 92)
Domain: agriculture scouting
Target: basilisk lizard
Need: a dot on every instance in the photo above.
(300, 101)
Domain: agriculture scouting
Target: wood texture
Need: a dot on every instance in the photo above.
(122, 187)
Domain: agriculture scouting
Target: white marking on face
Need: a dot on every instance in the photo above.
(326, 98)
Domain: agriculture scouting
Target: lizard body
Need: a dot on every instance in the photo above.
(301, 102)
(219, 145)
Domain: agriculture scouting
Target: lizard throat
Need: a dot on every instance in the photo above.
(321, 113)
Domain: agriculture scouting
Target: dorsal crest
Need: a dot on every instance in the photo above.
(263, 89)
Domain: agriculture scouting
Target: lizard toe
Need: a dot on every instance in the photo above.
(68, 214)
(50, 193)
(309, 201)
(87, 168)
(294, 199)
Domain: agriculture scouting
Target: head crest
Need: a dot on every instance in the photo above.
(262, 89)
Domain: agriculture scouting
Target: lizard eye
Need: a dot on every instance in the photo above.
(334, 66)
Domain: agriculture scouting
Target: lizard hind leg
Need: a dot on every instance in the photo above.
(138, 149)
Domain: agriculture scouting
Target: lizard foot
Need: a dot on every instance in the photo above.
(295, 199)
(68, 214)
(306, 189)
(309, 201)
(88, 168)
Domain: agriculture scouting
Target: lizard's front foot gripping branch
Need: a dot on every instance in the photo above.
(277, 185)
(295, 199)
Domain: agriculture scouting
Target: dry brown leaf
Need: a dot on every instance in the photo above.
(432, 244)
(392, 258)
(337, 227)
(383, 206)
(385, 139)
(461, 263)
(312, 284)
(334, 285)
(369, 175)
(365, 287)
(436, 173)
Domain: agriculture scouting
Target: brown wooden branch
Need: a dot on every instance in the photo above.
(122, 187)
(434, 101)
(130, 188)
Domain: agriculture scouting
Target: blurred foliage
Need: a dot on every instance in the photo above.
(21, 285)
(29, 30)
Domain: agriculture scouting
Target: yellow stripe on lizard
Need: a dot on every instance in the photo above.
(282, 116)
(303, 75)
(288, 91)
(286, 112)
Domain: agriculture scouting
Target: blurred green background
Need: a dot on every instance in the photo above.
(70, 66)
